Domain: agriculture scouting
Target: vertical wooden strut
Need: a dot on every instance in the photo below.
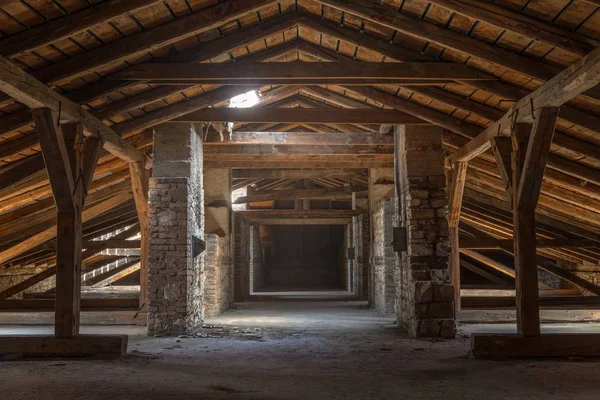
(69, 175)
(455, 195)
(140, 178)
(530, 154)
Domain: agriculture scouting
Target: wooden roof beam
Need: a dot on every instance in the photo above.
(503, 89)
(579, 77)
(279, 115)
(279, 73)
(34, 94)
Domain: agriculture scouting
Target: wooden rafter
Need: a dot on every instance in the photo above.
(24, 88)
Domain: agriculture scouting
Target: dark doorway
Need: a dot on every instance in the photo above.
(300, 258)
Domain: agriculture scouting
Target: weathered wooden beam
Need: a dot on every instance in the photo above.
(119, 275)
(298, 214)
(295, 173)
(24, 88)
(69, 25)
(304, 221)
(279, 115)
(207, 99)
(440, 35)
(56, 157)
(315, 148)
(140, 178)
(579, 77)
(535, 159)
(482, 272)
(305, 138)
(50, 233)
(323, 73)
(502, 148)
(111, 244)
(456, 190)
(300, 194)
(548, 345)
(417, 110)
(491, 244)
(524, 235)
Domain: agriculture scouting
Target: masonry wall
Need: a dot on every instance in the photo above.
(241, 234)
(217, 275)
(8, 281)
(176, 224)
(425, 303)
(362, 234)
(384, 259)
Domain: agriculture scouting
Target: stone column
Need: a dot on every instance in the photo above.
(425, 293)
(218, 274)
(176, 226)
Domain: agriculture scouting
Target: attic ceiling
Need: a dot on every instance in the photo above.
(75, 45)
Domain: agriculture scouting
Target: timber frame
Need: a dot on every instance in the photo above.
(516, 91)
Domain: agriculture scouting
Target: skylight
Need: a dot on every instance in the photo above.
(246, 100)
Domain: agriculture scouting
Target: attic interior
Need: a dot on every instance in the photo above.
(360, 193)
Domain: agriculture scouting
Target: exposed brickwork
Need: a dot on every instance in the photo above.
(348, 264)
(593, 277)
(425, 302)
(217, 271)
(384, 258)
(176, 217)
(173, 276)
(7, 281)
(361, 235)
(241, 258)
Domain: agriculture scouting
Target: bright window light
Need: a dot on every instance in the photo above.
(246, 100)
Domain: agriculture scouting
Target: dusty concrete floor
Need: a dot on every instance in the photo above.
(300, 350)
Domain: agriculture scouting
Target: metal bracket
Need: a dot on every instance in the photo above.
(351, 253)
(198, 246)
(400, 239)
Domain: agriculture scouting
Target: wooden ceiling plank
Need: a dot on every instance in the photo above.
(154, 38)
(69, 25)
(533, 28)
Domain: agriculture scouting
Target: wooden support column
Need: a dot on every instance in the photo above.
(530, 154)
(64, 149)
(455, 192)
(140, 177)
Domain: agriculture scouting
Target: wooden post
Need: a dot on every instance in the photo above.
(530, 154)
(63, 148)
(455, 192)
(140, 183)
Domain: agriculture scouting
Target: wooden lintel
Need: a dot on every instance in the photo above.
(292, 115)
(303, 138)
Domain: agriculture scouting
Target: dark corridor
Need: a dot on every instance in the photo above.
(300, 258)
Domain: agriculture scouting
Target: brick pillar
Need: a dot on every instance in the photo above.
(384, 258)
(176, 217)
(425, 293)
(218, 271)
